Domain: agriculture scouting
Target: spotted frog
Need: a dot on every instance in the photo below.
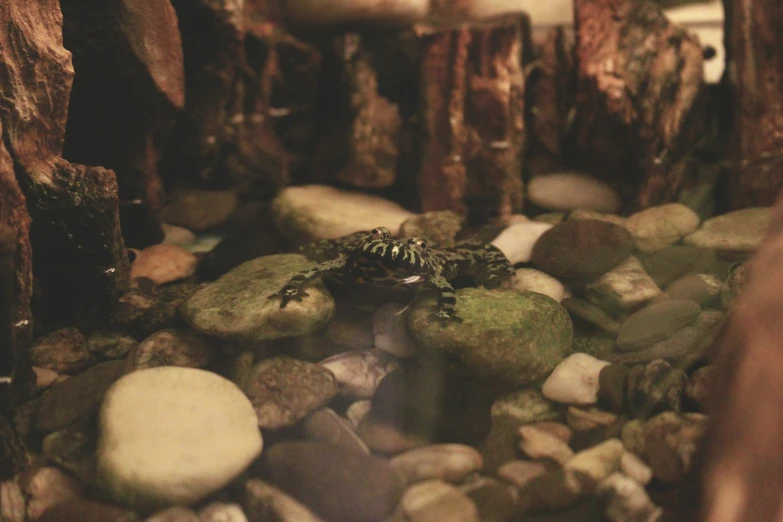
(377, 258)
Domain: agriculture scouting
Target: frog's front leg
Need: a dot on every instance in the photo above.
(446, 306)
(293, 289)
(484, 262)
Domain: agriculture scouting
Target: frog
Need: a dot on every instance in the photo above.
(376, 258)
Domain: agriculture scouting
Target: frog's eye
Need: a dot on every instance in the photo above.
(418, 243)
(376, 233)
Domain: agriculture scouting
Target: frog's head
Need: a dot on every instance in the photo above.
(384, 259)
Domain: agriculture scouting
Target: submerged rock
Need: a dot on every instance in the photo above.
(741, 231)
(173, 435)
(508, 339)
(238, 307)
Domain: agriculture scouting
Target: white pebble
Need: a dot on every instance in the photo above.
(359, 372)
(172, 435)
(541, 282)
(574, 380)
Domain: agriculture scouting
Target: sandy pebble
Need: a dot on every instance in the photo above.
(574, 380)
(435, 500)
(624, 287)
(447, 462)
(538, 444)
(163, 264)
(655, 228)
(740, 231)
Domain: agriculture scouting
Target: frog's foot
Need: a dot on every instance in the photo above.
(446, 317)
(288, 293)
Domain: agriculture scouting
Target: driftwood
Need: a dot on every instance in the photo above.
(472, 106)
(80, 265)
(125, 96)
(754, 57)
(640, 103)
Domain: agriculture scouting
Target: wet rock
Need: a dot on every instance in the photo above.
(557, 429)
(624, 287)
(613, 386)
(740, 231)
(521, 472)
(88, 511)
(163, 264)
(517, 241)
(77, 397)
(199, 209)
(508, 339)
(572, 190)
(49, 486)
(439, 226)
(538, 444)
(222, 512)
(437, 500)
(574, 380)
(579, 213)
(674, 262)
(325, 425)
(735, 282)
(283, 391)
(591, 313)
(174, 348)
(313, 212)
(667, 442)
(586, 419)
(447, 462)
(63, 351)
(697, 389)
(656, 322)
(12, 501)
(655, 228)
(174, 514)
(627, 501)
(44, 377)
(73, 450)
(142, 315)
(530, 279)
(390, 330)
(108, 344)
(581, 250)
(263, 501)
(169, 418)
(635, 468)
(495, 500)
(654, 388)
(357, 411)
(703, 289)
(174, 235)
(599, 461)
(335, 483)
(238, 307)
(358, 373)
(349, 329)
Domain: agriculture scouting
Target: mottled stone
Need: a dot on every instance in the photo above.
(654, 388)
(63, 351)
(624, 287)
(284, 390)
(107, 344)
(358, 373)
(174, 347)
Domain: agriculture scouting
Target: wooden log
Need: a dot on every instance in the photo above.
(80, 265)
(640, 98)
(472, 117)
(754, 59)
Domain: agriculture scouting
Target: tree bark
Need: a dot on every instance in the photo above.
(80, 265)
(754, 61)
(640, 98)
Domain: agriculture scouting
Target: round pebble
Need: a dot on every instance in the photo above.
(655, 228)
(62, 351)
(656, 322)
(173, 435)
(447, 462)
(574, 380)
(741, 231)
(164, 263)
(572, 190)
(517, 241)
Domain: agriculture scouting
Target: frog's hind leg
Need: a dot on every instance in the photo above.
(483, 262)
(293, 289)
(446, 306)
